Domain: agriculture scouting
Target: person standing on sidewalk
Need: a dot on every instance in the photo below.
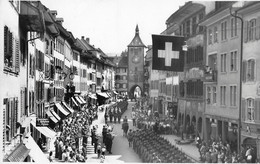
(133, 118)
(109, 141)
(130, 138)
(106, 117)
(110, 115)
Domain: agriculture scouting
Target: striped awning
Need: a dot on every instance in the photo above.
(52, 117)
(74, 101)
(81, 98)
(62, 109)
(67, 107)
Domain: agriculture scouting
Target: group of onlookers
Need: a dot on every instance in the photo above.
(218, 152)
(71, 145)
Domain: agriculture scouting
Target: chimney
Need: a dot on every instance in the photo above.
(87, 40)
(59, 20)
(54, 14)
(82, 38)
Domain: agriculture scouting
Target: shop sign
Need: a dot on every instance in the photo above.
(42, 122)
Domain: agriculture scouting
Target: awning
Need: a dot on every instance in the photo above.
(36, 153)
(67, 107)
(109, 94)
(78, 100)
(103, 94)
(44, 130)
(50, 115)
(18, 154)
(55, 115)
(74, 101)
(63, 110)
(81, 98)
(115, 92)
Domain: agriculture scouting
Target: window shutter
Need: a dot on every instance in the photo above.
(5, 40)
(33, 101)
(37, 59)
(25, 101)
(48, 94)
(244, 71)
(15, 113)
(29, 102)
(243, 109)
(52, 93)
(42, 95)
(33, 68)
(257, 106)
(22, 101)
(10, 47)
(36, 91)
(257, 37)
(17, 56)
(41, 64)
(42, 60)
(246, 24)
(52, 72)
(253, 70)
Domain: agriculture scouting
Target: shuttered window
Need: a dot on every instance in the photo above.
(11, 52)
(10, 116)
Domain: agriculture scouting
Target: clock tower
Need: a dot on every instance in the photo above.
(135, 64)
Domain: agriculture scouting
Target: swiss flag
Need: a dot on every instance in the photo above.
(167, 53)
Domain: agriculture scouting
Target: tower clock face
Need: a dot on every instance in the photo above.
(136, 59)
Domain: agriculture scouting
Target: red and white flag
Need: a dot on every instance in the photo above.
(167, 53)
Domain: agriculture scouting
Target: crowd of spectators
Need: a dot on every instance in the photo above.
(71, 145)
(215, 151)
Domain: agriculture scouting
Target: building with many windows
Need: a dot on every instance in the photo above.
(250, 80)
(222, 75)
(46, 77)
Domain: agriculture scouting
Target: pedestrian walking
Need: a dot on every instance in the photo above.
(130, 138)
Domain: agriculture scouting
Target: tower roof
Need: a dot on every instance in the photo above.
(136, 42)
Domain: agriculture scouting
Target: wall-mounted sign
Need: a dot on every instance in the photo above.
(42, 121)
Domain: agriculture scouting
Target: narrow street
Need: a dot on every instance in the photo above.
(121, 152)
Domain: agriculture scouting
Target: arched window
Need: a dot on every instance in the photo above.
(250, 109)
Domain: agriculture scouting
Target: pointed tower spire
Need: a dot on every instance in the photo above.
(137, 30)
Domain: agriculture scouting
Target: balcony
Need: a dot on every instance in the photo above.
(211, 76)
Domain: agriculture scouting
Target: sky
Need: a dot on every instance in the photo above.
(110, 24)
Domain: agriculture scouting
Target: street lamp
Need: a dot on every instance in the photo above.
(239, 5)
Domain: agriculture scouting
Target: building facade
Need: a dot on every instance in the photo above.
(222, 87)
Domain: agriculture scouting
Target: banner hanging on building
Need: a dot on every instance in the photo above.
(167, 53)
